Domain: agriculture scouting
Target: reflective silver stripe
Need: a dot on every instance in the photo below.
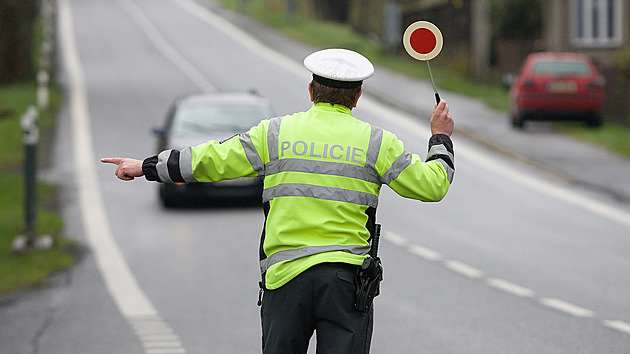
(290, 255)
(376, 138)
(433, 155)
(440, 150)
(397, 167)
(323, 167)
(252, 154)
(162, 166)
(319, 192)
(365, 173)
(273, 131)
(185, 165)
(450, 173)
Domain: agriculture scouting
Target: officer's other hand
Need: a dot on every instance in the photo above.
(441, 120)
(127, 168)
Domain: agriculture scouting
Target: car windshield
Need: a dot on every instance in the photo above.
(561, 68)
(206, 118)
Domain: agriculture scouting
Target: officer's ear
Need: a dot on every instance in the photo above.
(310, 91)
(356, 98)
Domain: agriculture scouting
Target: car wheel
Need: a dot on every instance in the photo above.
(594, 121)
(518, 120)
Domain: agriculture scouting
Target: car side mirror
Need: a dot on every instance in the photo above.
(508, 80)
(159, 132)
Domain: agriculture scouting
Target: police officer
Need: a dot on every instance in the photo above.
(323, 170)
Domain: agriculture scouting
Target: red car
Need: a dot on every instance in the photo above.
(557, 86)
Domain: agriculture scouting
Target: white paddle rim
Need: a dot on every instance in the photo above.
(439, 41)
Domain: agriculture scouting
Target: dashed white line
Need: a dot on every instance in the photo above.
(510, 287)
(119, 279)
(463, 269)
(122, 285)
(501, 284)
(566, 307)
(620, 326)
(165, 351)
(395, 239)
(156, 336)
(425, 253)
(165, 47)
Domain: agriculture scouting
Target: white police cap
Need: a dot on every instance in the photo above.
(339, 68)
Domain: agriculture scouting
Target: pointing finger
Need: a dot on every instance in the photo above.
(114, 160)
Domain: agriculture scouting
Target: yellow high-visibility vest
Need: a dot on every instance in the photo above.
(323, 170)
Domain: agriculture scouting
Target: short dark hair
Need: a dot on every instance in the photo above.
(333, 95)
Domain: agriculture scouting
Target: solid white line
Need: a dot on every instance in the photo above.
(242, 37)
(425, 253)
(620, 326)
(589, 204)
(567, 307)
(120, 282)
(164, 46)
(463, 149)
(463, 269)
(509, 287)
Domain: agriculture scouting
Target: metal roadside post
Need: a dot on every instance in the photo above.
(31, 138)
(29, 240)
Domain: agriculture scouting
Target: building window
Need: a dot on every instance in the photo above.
(597, 23)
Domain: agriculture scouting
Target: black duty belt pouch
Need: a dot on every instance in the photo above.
(367, 281)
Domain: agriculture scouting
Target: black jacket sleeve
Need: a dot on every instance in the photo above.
(149, 169)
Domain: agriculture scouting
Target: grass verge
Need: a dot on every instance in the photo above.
(612, 137)
(20, 270)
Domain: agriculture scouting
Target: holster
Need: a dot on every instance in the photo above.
(367, 281)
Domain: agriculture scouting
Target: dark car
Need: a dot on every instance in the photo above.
(557, 86)
(195, 119)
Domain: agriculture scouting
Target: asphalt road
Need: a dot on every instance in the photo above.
(516, 259)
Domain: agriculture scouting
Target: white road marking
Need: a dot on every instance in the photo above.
(544, 187)
(501, 284)
(425, 253)
(242, 37)
(567, 307)
(158, 337)
(121, 283)
(119, 280)
(510, 287)
(395, 239)
(165, 47)
(124, 289)
(463, 269)
(553, 190)
(620, 326)
(165, 351)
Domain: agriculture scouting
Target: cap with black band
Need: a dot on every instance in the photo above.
(339, 68)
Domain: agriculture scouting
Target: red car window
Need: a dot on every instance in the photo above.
(561, 68)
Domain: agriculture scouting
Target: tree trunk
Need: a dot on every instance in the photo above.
(16, 39)
(332, 10)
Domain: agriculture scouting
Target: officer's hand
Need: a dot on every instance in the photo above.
(441, 120)
(127, 169)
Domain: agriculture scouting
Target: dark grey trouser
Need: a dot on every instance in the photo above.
(321, 299)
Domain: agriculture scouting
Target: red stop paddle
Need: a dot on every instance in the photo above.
(423, 41)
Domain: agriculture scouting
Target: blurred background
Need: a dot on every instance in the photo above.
(528, 253)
